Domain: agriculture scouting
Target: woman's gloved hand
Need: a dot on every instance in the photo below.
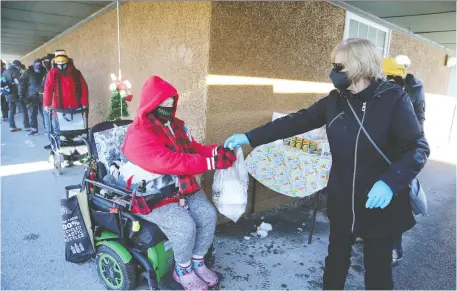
(235, 141)
(380, 196)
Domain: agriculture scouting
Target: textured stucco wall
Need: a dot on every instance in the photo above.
(427, 62)
(279, 40)
(168, 39)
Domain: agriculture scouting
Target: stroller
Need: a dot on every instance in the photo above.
(127, 246)
(68, 145)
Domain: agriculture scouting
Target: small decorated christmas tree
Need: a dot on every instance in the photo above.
(120, 95)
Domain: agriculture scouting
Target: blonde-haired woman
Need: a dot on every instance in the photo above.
(367, 197)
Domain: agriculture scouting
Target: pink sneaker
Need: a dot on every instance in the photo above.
(208, 276)
(190, 281)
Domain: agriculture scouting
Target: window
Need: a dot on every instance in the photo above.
(360, 27)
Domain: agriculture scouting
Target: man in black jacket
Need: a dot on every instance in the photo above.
(415, 89)
(31, 91)
(12, 76)
(4, 103)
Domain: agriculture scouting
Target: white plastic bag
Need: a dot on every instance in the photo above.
(230, 189)
(316, 134)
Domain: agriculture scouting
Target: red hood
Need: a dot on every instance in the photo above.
(155, 90)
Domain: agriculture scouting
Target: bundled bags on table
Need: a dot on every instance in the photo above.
(230, 189)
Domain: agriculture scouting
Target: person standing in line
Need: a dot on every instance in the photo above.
(396, 72)
(12, 76)
(414, 86)
(65, 88)
(31, 91)
(46, 62)
(4, 104)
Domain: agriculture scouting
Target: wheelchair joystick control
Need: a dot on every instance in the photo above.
(142, 187)
(136, 226)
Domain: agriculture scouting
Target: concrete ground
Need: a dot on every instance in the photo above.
(33, 249)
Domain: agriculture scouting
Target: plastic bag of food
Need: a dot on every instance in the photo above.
(230, 189)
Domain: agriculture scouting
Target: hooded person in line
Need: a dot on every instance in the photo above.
(31, 91)
(11, 78)
(158, 142)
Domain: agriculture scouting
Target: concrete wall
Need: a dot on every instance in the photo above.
(427, 62)
(169, 39)
(276, 40)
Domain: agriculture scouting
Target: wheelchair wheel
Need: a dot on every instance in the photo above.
(115, 274)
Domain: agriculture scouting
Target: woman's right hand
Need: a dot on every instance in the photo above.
(235, 141)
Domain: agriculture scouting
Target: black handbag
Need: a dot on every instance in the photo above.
(418, 199)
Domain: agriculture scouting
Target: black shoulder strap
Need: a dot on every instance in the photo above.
(368, 135)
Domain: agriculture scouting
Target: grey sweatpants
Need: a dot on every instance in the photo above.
(190, 232)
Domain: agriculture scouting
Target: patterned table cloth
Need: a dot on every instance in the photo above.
(288, 170)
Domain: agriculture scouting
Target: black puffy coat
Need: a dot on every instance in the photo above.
(31, 86)
(12, 76)
(388, 116)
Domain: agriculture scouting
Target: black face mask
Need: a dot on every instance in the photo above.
(47, 65)
(340, 80)
(164, 111)
(62, 67)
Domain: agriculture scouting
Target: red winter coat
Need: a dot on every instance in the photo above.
(149, 145)
(73, 89)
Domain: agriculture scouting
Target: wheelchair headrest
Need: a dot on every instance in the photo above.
(106, 125)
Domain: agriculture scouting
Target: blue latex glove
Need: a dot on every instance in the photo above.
(380, 196)
(235, 141)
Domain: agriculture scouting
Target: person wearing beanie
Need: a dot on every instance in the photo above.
(11, 78)
(160, 143)
(396, 71)
(4, 104)
(31, 91)
(64, 88)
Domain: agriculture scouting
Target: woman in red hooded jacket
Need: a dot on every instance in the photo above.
(160, 143)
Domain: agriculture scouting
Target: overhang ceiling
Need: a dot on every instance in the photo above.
(433, 20)
(26, 25)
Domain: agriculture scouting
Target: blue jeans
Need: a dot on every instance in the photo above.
(47, 127)
(34, 109)
(12, 112)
